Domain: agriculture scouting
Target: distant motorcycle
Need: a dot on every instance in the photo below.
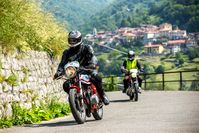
(132, 90)
(83, 97)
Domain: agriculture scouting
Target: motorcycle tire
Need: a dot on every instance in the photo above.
(80, 116)
(136, 94)
(98, 114)
(131, 97)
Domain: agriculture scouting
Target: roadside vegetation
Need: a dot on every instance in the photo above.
(36, 114)
(24, 26)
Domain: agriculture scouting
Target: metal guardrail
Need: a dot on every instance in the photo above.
(162, 81)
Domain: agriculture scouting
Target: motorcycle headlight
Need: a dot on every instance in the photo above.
(133, 75)
(70, 72)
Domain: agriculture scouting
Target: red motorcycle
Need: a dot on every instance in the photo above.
(83, 97)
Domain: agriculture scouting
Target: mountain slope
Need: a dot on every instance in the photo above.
(74, 12)
(120, 11)
(181, 13)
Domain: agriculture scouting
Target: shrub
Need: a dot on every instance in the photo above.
(192, 53)
(148, 68)
(181, 61)
(5, 123)
(12, 80)
(160, 69)
(36, 114)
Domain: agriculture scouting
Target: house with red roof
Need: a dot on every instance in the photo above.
(153, 49)
(176, 45)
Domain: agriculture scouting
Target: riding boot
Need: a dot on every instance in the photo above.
(125, 82)
(97, 81)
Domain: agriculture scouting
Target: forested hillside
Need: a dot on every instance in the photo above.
(75, 13)
(181, 13)
(119, 14)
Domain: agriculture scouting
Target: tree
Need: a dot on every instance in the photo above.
(195, 84)
(148, 68)
(181, 61)
(125, 23)
(102, 64)
(192, 53)
(178, 56)
(160, 69)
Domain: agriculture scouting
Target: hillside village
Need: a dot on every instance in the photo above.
(156, 40)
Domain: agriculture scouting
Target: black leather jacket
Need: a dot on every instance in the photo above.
(84, 54)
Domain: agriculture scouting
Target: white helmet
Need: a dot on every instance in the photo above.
(131, 55)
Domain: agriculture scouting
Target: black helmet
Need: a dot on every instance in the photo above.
(131, 55)
(74, 38)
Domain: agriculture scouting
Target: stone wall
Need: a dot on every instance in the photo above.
(27, 79)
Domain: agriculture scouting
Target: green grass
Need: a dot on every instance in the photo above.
(188, 66)
(196, 60)
(171, 77)
(169, 60)
(168, 65)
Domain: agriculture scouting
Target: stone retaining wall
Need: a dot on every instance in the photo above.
(27, 79)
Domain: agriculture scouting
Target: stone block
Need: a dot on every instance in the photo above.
(8, 110)
(1, 89)
(16, 98)
(15, 89)
(22, 97)
(6, 87)
(1, 111)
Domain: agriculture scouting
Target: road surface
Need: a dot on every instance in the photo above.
(155, 112)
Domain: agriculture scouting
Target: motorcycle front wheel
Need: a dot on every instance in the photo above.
(77, 107)
(98, 114)
(136, 93)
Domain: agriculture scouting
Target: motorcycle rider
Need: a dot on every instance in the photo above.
(128, 64)
(84, 54)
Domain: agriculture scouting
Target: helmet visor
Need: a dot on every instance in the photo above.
(73, 41)
(131, 57)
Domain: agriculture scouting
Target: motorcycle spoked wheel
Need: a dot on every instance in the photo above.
(134, 95)
(98, 114)
(79, 115)
(131, 96)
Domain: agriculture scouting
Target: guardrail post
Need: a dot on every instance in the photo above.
(180, 80)
(163, 81)
(145, 81)
(112, 82)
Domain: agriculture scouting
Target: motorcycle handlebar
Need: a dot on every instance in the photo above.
(128, 72)
(83, 69)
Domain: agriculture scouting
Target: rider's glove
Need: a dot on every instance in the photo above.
(57, 74)
(142, 71)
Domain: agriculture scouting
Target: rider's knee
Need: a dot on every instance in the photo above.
(66, 87)
(96, 77)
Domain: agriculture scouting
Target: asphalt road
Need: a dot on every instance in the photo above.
(155, 112)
